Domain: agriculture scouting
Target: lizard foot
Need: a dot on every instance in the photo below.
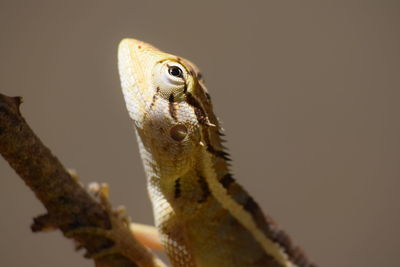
(120, 242)
(118, 221)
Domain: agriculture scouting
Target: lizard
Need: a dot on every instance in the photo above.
(203, 216)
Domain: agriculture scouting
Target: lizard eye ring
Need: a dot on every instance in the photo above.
(170, 77)
(173, 73)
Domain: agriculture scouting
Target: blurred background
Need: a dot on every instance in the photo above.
(308, 94)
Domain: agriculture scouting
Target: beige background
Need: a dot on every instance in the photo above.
(308, 93)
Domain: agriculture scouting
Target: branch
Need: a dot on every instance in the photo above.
(93, 225)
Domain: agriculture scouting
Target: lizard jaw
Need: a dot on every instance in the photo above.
(136, 60)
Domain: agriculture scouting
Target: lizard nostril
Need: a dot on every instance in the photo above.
(178, 132)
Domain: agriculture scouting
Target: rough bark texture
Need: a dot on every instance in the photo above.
(69, 206)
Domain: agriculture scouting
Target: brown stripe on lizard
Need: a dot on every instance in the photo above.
(153, 101)
(203, 119)
(177, 191)
(198, 109)
(264, 222)
(204, 189)
(172, 107)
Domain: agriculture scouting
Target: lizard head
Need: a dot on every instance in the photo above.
(167, 101)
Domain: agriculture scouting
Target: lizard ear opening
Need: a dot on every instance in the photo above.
(178, 132)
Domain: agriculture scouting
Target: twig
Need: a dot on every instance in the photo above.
(104, 234)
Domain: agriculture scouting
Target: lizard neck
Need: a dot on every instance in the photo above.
(181, 186)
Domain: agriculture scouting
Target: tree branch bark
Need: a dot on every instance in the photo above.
(104, 234)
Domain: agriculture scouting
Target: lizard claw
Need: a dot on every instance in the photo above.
(102, 192)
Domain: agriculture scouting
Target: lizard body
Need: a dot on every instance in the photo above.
(203, 216)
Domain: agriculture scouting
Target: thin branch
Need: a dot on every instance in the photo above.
(104, 234)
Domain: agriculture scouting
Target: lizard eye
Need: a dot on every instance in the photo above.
(175, 71)
(170, 77)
